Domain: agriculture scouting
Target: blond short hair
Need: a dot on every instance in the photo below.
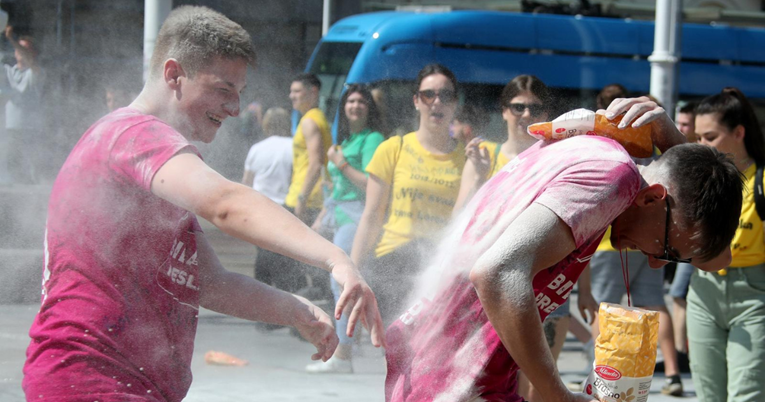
(277, 121)
(195, 36)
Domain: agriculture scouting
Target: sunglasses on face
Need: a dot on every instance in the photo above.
(517, 109)
(429, 96)
(667, 257)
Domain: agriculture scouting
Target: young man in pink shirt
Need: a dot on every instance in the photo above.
(513, 256)
(126, 264)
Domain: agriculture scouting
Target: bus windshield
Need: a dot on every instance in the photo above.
(331, 64)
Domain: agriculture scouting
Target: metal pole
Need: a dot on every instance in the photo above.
(155, 12)
(666, 53)
(325, 17)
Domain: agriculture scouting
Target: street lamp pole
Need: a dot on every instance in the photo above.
(666, 53)
(155, 12)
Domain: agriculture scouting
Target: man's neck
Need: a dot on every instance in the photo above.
(305, 109)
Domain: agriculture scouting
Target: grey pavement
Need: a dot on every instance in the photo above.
(276, 358)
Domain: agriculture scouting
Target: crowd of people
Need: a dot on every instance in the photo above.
(466, 250)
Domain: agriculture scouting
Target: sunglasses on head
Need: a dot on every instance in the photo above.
(517, 109)
(429, 96)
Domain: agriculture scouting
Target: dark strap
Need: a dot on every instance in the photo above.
(759, 196)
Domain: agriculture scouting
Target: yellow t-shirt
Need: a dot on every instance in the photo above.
(498, 159)
(605, 243)
(424, 188)
(748, 245)
(300, 160)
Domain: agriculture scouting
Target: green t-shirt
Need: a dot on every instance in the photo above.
(358, 150)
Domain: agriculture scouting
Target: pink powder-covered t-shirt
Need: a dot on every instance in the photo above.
(444, 348)
(120, 291)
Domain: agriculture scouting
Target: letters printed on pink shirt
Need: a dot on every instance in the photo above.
(121, 282)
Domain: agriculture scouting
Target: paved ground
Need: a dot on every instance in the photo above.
(277, 359)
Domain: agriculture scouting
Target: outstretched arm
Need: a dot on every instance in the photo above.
(244, 297)
(242, 212)
(503, 276)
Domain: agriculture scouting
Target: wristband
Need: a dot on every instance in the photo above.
(343, 166)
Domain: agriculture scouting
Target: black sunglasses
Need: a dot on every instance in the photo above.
(429, 96)
(517, 109)
(667, 256)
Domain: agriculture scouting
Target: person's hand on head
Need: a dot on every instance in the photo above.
(641, 111)
(319, 331)
(358, 300)
(479, 156)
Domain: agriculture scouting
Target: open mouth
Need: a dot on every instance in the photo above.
(215, 119)
(437, 115)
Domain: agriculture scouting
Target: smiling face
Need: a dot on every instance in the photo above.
(208, 98)
(356, 110)
(518, 119)
(436, 111)
(644, 227)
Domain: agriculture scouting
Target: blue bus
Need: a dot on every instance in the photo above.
(576, 56)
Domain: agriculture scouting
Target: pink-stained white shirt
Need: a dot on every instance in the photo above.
(444, 348)
(120, 282)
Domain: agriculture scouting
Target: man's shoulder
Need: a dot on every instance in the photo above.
(589, 148)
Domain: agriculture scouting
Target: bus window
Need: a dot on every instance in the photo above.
(331, 65)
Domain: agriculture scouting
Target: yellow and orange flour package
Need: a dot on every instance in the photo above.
(625, 354)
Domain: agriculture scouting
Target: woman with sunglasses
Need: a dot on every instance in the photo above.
(359, 136)
(726, 309)
(416, 178)
(525, 100)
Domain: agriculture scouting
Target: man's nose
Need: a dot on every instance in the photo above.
(232, 108)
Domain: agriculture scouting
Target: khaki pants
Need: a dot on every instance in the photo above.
(726, 334)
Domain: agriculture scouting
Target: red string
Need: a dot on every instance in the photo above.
(625, 266)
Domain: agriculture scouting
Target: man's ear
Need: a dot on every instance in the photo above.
(650, 195)
(173, 71)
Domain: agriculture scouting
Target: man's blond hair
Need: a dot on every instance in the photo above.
(195, 36)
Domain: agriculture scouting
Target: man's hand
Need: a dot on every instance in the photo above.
(319, 331)
(587, 305)
(359, 301)
(479, 156)
(641, 111)
(579, 397)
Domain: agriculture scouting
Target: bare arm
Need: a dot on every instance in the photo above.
(248, 178)
(244, 297)
(241, 212)
(587, 303)
(474, 174)
(503, 276)
(370, 226)
(313, 142)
